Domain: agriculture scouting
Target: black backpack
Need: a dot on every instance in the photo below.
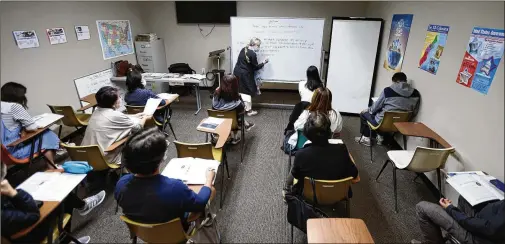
(181, 68)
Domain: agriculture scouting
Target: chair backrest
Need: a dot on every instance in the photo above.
(169, 232)
(391, 117)
(134, 109)
(328, 192)
(428, 159)
(301, 139)
(69, 118)
(195, 150)
(90, 154)
(232, 114)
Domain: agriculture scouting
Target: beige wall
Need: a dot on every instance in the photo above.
(471, 122)
(184, 43)
(49, 70)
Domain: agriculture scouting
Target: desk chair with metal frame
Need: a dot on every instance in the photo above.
(70, 118)
(232, 114)
(421, 160)
(387, 125)
(205, 151)
(167, 115)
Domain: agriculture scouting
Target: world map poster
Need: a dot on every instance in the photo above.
(115, 38)
(481, 60)
(434, 45)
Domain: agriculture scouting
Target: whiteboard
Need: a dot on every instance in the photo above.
(351, 65)
(92, 83)
(290, 44)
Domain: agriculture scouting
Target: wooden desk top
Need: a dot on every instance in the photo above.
(46, 209)
(420, 130)
(91, 99)
(337, 230)
(223, 130)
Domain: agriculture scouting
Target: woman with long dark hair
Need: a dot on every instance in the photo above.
(226, 98)
(15, 119)
(306, 87)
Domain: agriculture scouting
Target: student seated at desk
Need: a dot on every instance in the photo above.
(107, 125)
(147, 196)
(399, 96)
(20, 211)
(15, 119)
(306, 89)
(226, 98)
(320, 159)
(321, 102)
(137, 94)
(483, 223)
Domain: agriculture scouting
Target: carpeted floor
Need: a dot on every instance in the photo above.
(253, 209)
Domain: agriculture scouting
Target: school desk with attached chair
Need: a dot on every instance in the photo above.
(91, 100)
(419, 129)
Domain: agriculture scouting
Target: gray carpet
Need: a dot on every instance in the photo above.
(253, 209)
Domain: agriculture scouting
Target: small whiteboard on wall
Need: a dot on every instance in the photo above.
(290, 44)
(90, 84)
(354, 52)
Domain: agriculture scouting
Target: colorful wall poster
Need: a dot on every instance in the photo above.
(482, 57)
(397, 44)
(82, 32)
(115, 38)
(26, 39)
(56, 35)
(434, 45)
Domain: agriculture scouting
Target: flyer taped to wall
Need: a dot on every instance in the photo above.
(482, 58)
(56, 35)
(434, 45)
(397, 44)
(26, 39)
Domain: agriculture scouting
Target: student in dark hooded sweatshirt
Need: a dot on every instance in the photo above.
(399, 96)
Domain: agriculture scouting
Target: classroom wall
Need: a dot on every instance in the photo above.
(184, 43)
(49, 70)
(470, 121)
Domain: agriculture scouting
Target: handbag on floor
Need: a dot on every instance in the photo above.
(206, 231)
(299, 211)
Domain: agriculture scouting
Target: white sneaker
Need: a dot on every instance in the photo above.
(380, 139)
(252, 113)
(92, 202)
(83, 240)
(363, 140)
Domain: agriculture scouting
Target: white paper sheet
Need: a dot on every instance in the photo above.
(474, 188)
(26, 39)
(167, 96)
(46, 119)
(51, 186)
(192, 171)
(82, 32)
(151, 106)
(210, 123)
(56, 35)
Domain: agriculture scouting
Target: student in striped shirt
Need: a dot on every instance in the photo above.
(16, 119)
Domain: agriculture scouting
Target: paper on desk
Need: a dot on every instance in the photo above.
(151, 106)
(167, 96)
(46, 119)
(195, 76)
(51, 186)
(475, 188)
(192, 171)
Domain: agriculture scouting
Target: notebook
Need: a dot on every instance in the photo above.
(46, 119)
(210, 123)
(192, 171)
(475, 188)
(151, 106)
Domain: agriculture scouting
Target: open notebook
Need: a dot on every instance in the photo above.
(192, 171)
(51, 186)
(475, 188)
(46, 119)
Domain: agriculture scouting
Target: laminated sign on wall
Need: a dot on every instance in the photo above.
(397, 44)
(434, 45)
(482, 57)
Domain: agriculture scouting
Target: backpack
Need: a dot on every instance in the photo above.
(299, 211)
(181, 68)
(121, 67)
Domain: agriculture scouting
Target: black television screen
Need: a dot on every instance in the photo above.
(195, 12)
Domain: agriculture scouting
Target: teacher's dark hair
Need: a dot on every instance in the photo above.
(133, 80)
(399, 77)
(106, 97)
(15, 93)
(228, 89)
(144, 151)
(317, 128)
(313, 79)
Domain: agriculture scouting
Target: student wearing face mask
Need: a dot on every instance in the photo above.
(107, 125)
(137, 94)
(247, 64)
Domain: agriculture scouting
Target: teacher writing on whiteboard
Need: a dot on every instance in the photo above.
(247, 64)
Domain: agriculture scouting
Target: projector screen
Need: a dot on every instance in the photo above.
(291, 45)
(353, 57)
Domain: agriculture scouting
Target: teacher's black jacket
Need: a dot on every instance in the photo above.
(247, 63)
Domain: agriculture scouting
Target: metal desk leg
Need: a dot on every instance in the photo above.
(198, 99)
